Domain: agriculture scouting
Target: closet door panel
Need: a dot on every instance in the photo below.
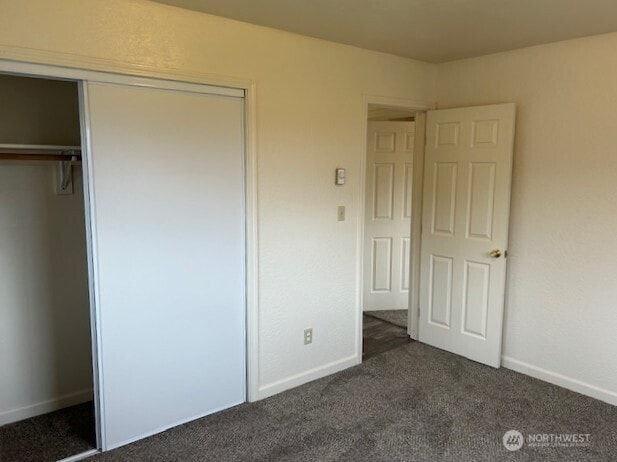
(167, 186)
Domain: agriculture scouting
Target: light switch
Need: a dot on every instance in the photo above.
(340, 177)
(341, 213)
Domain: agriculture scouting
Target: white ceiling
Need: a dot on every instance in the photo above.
(428, 30)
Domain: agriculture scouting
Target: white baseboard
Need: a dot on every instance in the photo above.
(80, 456)
(305, 377)
(43, 407)
(386, 309)
(561, 380)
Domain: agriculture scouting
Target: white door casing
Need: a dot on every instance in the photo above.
(168, 212)
(387, 223)
(465, 218)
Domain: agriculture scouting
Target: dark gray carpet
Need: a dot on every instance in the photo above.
(413, 403)
(396, 317)
(49, 437)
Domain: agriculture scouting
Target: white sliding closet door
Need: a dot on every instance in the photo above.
(167, 209)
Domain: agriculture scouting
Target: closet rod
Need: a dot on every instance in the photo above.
(39, 152)
(43, 157)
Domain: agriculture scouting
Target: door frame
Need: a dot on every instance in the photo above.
(50, 65)
(420, 108)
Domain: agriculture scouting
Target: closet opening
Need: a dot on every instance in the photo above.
(46, 374)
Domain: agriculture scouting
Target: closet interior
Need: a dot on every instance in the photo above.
(46, 379)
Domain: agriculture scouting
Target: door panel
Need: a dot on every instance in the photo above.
(167, 182)
(382, 264)
(388, 214)
(383, 191)
(444, 198)
(407, 191)
(475, 298)
(466, 204)
(481, 196)
(405, 242)
(440, 302)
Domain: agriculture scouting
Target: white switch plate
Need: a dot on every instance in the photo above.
(340, 176)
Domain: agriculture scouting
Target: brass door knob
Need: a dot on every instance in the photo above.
(495, 253)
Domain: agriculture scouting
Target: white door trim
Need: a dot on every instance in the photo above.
(416, 213)
(413, 324)
(48, 64)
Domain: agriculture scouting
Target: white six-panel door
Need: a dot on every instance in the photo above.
(387, 223)
(466, 206)
(167, 203)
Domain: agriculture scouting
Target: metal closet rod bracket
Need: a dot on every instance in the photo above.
(66, 172)
(64, 155)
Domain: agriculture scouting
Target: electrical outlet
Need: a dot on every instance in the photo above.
(308, 336)
(341, 213)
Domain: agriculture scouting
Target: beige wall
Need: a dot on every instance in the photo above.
(38, 111)
(561, 312)
(44, 311)
(309, 121)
